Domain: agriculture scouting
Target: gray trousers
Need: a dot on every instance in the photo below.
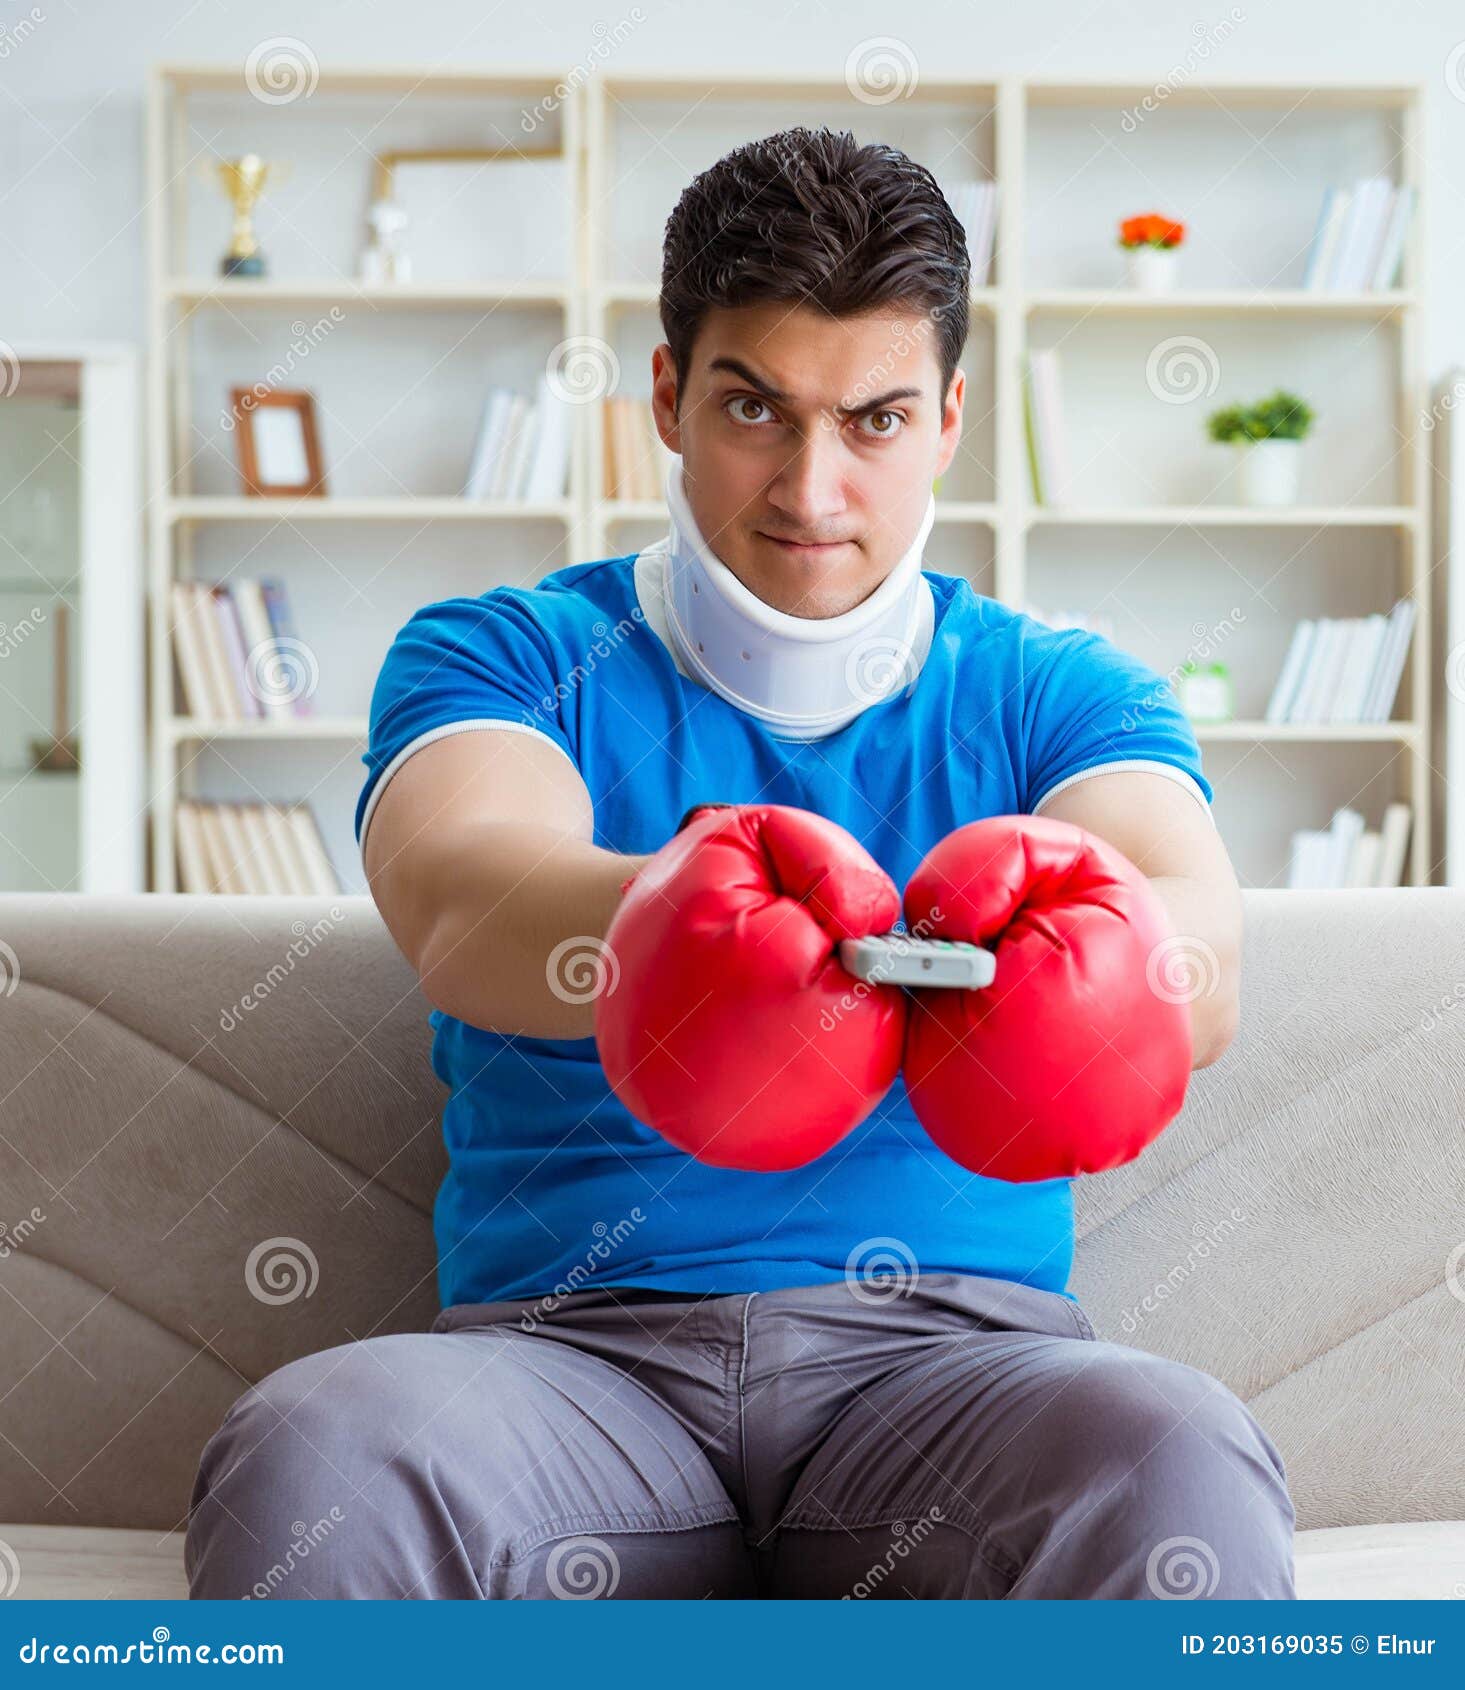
(949, 1436)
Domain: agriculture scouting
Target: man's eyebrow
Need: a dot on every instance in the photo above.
(736, 367)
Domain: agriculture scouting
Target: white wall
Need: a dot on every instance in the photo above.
(72, 233)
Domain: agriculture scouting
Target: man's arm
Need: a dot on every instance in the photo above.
(1161, 828)
(479, 857)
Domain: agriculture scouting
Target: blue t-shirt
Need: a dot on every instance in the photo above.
(552, 1183)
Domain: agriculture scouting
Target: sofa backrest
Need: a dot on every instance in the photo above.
(220, 1144)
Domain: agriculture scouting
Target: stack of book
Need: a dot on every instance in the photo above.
(237, 654)
(635, 456)
(1359, 237)
(975, 204)
(236, 847)
(1043, 423)
(1343, 669)
(523, 447)
(1348, 854)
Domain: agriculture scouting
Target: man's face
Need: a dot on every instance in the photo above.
(810, 444)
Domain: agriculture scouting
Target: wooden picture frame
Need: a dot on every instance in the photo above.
(278, 457)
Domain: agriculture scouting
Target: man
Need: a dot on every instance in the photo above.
(826, 1354)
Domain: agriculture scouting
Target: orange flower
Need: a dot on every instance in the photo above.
(1150, 230)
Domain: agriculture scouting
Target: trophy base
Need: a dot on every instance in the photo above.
(253, 265)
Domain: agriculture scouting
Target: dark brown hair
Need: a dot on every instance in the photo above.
(813, 217)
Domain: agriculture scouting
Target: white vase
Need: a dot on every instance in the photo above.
(1269, 471)
(1152, 269)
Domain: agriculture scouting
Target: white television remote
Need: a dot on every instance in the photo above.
(897, 959)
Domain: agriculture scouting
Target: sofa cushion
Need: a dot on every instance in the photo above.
(1425, 1560)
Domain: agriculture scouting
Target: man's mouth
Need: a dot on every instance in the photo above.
(804, 548)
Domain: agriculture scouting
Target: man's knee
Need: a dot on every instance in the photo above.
(1173, 1476)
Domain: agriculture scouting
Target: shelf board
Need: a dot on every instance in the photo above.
(221, 509)
(1220, 302)
(1235, 516)
(1303, 732)
(200, 291)
(178, 728)
(654, 510)
(630, 295)
(370, 79)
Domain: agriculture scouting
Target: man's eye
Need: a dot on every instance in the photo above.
(892, 422)
(737, 409)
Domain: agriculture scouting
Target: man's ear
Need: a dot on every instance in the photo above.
(666, 398)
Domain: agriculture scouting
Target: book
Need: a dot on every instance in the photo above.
(1391, 249)
(1358, 239)
(232, 846)
(1393, 845)
(1363, 864)
(1284, 693)
(1389, 670)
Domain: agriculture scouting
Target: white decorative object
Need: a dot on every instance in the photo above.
(1269, 471)
(385, 258)
(1152, 269)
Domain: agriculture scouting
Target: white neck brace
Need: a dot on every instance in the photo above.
(807, 677)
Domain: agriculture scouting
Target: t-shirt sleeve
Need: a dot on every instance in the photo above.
(1088, 706)
(459, 664)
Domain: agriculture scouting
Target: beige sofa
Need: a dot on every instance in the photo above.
(184, 1079)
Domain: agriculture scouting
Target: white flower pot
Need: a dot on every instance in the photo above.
(1152, 269)
(1269, 471)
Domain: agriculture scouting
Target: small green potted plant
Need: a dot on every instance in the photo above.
(1268, 435)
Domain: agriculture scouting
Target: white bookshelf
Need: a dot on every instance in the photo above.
(633, 139)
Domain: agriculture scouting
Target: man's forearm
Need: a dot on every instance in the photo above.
(517, 944)
(1204, 965)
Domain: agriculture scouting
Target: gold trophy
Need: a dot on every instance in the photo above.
(243, 180)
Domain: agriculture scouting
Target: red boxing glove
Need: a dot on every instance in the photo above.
(731, 1027)
(1070, 1062)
